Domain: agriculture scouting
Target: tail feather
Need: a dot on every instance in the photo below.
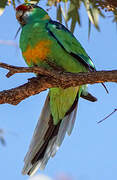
(72, 118)
(62, 131)
(72, 115)
(38, 137)
(42, 163)
(51, 132)
(47, 138)
(48, 152)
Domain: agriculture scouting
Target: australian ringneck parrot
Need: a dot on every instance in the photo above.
(49, 44)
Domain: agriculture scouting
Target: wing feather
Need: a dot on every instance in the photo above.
(69, 43)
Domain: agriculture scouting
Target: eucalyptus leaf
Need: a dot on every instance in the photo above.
(89, 28)
(34, 1)
(74, 15)
(14, 5)
(59, 14)
(3, 4)
(70, 11)
(2, 140)
(93, 14)
(73, 24)
(78, 17)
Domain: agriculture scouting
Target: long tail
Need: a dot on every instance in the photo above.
(47, 138)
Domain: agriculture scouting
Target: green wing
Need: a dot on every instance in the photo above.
(69, 43)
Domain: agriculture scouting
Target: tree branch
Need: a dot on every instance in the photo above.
(48, 79)
(109, 5)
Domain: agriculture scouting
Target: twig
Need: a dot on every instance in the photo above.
(107, 116)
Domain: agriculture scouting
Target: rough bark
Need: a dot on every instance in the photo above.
(109, 5)
(48, 79)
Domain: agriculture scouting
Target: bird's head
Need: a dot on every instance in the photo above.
(27, 13)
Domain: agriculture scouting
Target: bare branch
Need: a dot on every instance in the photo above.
(48, 79)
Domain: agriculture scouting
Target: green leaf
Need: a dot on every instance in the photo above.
(73, 24)
(14, 5)
(34, 1)
(70, 11)
(59, 14)
(26, 1)
(94, 17)
(65, 1)
(2, 140)
(89, 28)
(3, 4)
(73, 13)
(93, 14)
(78, 17)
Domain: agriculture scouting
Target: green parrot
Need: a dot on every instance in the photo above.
(49, 44)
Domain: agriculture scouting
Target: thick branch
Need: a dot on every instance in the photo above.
(48, 80)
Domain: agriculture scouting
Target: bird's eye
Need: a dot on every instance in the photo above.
(30, 7)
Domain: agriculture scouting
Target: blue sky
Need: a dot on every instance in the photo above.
(91, 151)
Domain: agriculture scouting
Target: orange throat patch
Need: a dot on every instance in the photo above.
(37, 53)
